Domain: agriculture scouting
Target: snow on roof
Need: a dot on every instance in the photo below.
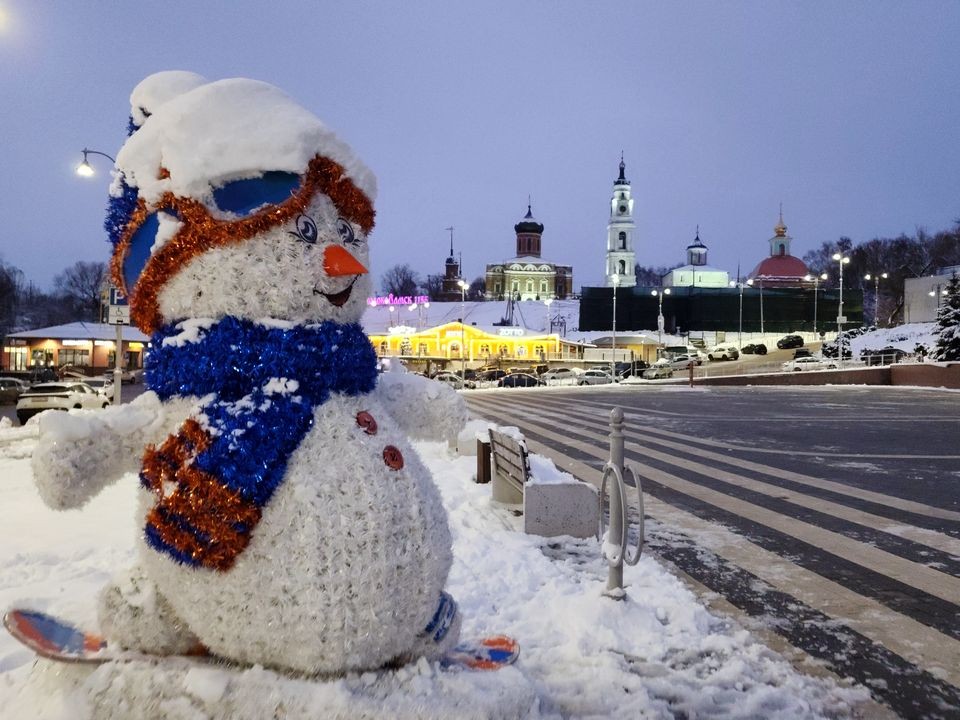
(225, 130)
(83, 331)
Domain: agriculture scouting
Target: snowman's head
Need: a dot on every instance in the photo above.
(231, 199)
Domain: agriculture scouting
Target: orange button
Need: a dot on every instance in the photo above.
(392, 457)
(366, 421)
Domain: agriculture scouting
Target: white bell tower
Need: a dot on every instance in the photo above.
(620, 257)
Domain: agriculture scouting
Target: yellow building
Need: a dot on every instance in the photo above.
(456, 341)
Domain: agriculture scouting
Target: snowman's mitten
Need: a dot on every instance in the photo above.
(424, 409)
(136, 616)
(80, 452)
(442, 633)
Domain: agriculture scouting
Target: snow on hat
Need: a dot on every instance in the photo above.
(202, 166)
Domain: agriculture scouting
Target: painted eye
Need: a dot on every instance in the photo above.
(307, 229)
(345, 231)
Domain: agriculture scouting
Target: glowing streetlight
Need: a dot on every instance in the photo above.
(463, 331)
(816, 289)
(659, 294)
(85, 169)
(841, 319)
(760, 281)
(876, 294)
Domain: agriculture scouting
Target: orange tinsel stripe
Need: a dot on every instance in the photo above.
(201, 232)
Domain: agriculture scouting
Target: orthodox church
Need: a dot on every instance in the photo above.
(450, 283)
(781, 269)
(696, 273)
(527, 276)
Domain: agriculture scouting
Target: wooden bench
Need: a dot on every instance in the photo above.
(510, 467)
(548, 509)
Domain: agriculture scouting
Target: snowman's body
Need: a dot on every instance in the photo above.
(346, 566)
(331, 555)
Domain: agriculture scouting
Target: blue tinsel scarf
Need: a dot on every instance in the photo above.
(253, 428)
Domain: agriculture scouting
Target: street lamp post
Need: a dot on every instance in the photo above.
(937, 294)
(548, 302)
(613, 359)
(85, 169)
(760, 282)
(659, 294)
(816, 289)
(740, 321)
(463, 330)
(841, 261)
(876, 294)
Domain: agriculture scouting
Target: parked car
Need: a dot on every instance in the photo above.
(454, 381)
(790, 341)
(885, 356)
(519, 380)
(754, 349)
(658, 370)
(11, 389)
(490, 375)
(681, 362)
(103, 385)
(560, 376)
(723, 352)
(801, 353)
(808, 363)
(58, 396)
(594, 377)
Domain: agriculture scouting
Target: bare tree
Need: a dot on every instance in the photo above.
(651, 276)
(80, 286)
(477, 289)
(400, 280)
(432, 286)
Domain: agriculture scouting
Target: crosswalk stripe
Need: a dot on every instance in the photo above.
(688, 440)
(905, 636)
(921, 536)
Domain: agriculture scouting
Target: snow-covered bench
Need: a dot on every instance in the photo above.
(554, 502)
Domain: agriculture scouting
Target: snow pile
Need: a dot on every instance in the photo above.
(903, 337)
(658, 654)
(544, 472)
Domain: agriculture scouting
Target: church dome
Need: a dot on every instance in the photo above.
(780, 267)
(528, 224)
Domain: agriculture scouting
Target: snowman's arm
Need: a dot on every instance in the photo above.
(424, 409)
(81, 452)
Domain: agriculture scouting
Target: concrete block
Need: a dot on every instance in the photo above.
(561, 509)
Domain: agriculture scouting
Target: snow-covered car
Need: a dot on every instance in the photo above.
(660, 369)
(723, 352)
(808, 363)
(58, 396)
(594, 377)
(11, 389)
(103, 385)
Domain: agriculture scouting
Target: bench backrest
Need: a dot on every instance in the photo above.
(509, 458)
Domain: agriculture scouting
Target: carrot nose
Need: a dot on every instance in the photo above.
(337, 261)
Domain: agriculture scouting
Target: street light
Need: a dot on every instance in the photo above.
(463, 331)
(750, 283)
(816, 288)
(85, 169)
(938, 293)
(613, 345)
(547, 302)
(841, 261)
(734, 283)
(876, 294)
(659, 294)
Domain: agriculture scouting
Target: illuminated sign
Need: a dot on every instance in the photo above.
(104, 343)
(75, 343)
(510, 332)
(392, 299)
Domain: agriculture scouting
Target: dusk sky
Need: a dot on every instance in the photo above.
(846, 112)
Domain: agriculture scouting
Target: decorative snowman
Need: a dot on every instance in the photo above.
(286, 519)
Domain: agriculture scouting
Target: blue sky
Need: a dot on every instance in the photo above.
(847, 113)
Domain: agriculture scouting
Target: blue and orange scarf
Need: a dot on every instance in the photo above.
(262, 384)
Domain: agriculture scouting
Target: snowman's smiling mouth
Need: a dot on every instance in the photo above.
(340, 298)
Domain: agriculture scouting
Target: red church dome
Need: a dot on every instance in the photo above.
(780, 267)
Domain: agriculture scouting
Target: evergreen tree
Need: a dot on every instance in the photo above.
(948, 324)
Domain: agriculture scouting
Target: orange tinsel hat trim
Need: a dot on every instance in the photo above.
(201, 232)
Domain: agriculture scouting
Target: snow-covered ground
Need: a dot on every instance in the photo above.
(903, 337)
(658, 654)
